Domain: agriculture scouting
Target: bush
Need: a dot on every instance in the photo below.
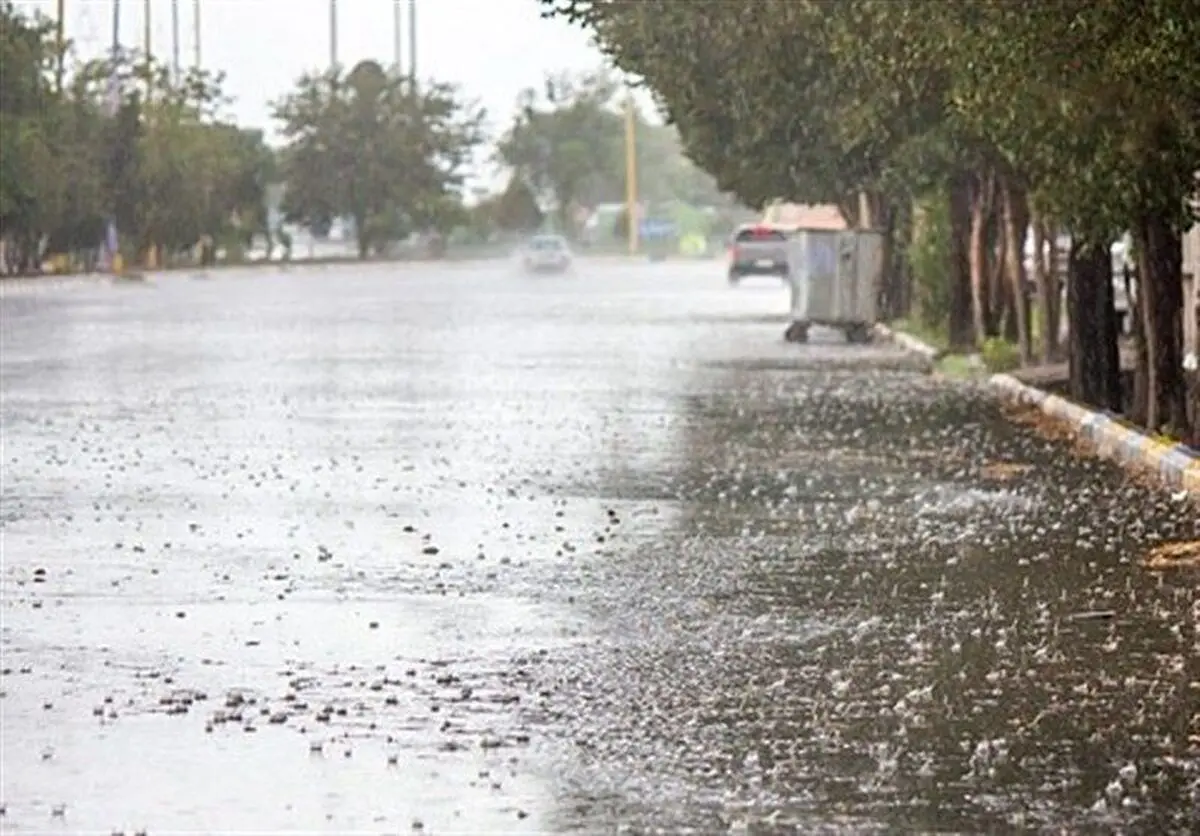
(1000, 355)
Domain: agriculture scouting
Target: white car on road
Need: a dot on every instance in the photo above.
(546, 254)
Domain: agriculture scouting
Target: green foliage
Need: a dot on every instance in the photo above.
(961, 366)
(1086, 112)
(162, 165)
(930, 335)
(999, 355)
(1092, 106)
(371, 145)
(567, 142)
(564, 142)
(516, 208)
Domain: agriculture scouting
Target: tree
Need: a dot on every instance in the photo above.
(567, 143)
(564, 143)
(516, 208)
(119, 139)
(371, 146)
(1101, 128)
(790, 114)
(1072, 116)
(29, 110)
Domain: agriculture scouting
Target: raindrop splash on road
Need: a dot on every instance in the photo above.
(456, 551)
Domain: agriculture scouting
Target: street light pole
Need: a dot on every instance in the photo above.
(116, 29)
(412, 42)
(175, 37)
(60, 44)
(397, 18)
(196, 58)
(333, 35)
(147, 34)
(111, 240)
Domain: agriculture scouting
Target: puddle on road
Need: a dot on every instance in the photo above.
(415, 705)
(166, 775)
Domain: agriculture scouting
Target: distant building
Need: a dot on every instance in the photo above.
(807, 216)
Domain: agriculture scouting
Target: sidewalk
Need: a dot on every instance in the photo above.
(1054, 375)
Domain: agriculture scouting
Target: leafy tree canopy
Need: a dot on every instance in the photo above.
(370, 145)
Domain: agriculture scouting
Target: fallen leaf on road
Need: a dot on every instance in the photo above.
(1004, 471)
(1174, 555)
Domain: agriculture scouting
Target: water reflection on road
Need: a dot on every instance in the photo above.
(379, 548)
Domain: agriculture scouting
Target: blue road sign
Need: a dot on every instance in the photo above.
(652, 228)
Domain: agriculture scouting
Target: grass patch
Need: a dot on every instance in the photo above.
(960, 366)
(1000, 355)
(935, 337)
(996, 356)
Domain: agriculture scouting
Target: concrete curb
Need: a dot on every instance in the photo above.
(907, 342)
(1175, 464)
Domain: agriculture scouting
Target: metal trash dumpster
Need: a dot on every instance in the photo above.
(834, 279)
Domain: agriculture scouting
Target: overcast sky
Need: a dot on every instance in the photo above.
(492, 48)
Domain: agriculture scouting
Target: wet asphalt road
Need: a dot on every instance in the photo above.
(456, 550)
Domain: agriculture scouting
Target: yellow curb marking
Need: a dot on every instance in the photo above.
(1152, 452)
(1191, 478)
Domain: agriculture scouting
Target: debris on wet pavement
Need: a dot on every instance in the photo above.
(1175, 555)
(463, 552)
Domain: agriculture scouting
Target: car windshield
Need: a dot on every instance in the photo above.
(547, 244)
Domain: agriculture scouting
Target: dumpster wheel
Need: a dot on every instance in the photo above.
(858, 333)
(797, 332)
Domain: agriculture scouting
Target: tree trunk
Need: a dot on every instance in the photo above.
(1043, 283)
(1056, 282)
(1015, 223)
(868, 205)
(1141, 375)
(960, 332)
(876, 213)
(1003, 321)
(362, 235)
(1000, 300)
(883, 219)
(902, 236)
(1160, 293)
(981, 309)
(851, 209)
(1094, 361)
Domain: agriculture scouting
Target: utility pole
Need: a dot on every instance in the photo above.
(60, 44)
(111, 239)
(631, 191)
(333, 35)
(148, 46)
(151, 255)
(412, 42)
(397, 18)
(116, 33)
(175, 38)
(196, 31)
